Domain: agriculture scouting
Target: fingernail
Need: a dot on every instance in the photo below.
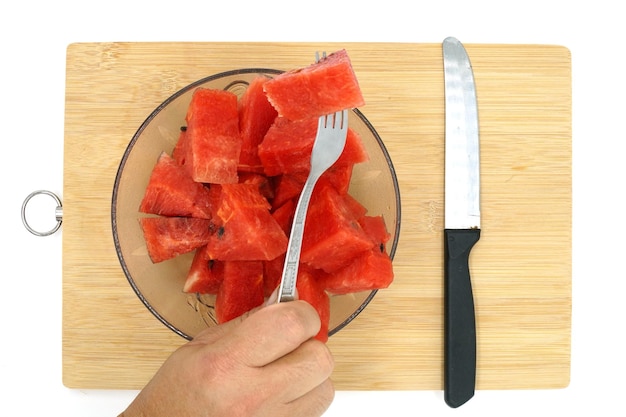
(272, 298)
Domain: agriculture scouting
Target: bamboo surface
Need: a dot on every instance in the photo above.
(521, 268)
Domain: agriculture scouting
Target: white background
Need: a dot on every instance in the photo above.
(34, 37)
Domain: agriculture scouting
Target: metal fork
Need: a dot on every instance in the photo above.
(332, 130)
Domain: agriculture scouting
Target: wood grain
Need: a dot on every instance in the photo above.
(521, 268)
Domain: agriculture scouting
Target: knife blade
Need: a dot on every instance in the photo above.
(461, 222)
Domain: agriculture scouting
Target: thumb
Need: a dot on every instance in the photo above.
(213, 333)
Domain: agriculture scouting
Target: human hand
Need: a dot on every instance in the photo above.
(265, 363)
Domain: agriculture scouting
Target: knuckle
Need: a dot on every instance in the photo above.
(295, 322)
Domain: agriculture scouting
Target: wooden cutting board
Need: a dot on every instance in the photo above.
(521, 268)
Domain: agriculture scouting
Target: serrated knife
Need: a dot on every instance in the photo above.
(461, 222)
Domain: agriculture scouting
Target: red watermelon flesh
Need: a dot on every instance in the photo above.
(353, 207)
(371, 270)
(240, 197)
(248, 231)
(321, 88)
(338, 176)
(287, 187)
(256, 115)
(266, 188)
(332, 235)
(168, 237)
(272, 274)
(241, 289)
(172, 192)
(284, 215)
(213, 133)
(205, 275)
(375, 227)
(287, 146)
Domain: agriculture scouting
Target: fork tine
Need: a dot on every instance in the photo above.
(344, 119)
(333, 120)
(337, 120)
(340, 117)
(317, 56)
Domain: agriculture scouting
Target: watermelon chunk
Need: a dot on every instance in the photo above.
(256, 115)
(248, 231)
(338, 176)
(321, 88)
(241, 289)
(332, 235)
(205, 275)
(287, 146)
(371, 270)
(214, 142)
(168, 237)
(375, 227)
(172, 192)
(284, 215)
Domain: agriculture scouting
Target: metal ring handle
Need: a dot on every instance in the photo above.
(58, 213)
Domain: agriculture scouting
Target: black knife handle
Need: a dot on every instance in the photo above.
(460, 322)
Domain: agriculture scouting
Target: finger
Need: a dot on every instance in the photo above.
(300, 371)
(314, 403)
(272, 332)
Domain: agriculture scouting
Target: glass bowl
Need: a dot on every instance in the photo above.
(159, 286)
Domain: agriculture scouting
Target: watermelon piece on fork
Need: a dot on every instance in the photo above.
(328, 86)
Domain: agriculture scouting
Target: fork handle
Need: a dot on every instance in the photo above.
(287, 290)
